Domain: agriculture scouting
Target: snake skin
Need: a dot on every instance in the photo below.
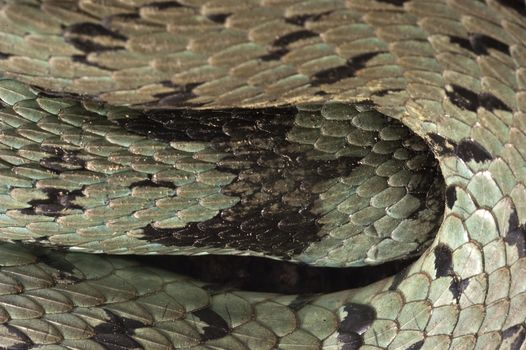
(453, 71)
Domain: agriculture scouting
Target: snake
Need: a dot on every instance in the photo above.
(325, 132)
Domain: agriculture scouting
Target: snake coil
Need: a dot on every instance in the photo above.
(271, 128)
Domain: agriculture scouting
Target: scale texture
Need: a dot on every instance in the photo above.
(269, 127)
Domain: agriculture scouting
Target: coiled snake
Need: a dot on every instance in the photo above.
(264, 127)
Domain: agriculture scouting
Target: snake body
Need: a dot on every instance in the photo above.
(266, 128)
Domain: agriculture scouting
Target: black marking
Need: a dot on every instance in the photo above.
(332, 75)
(300, 301)
(24, 341)
(398, 3)
(57, 203)
(440, 144)
(451, 196)
(516, 235)
(82, 35)
(491, 102)
(398, 278)
(84, 60)
(275, 55)
(4, 56)
(161, 5)
(416, 346)
(518, 332)
(480, 43)
(115, 333)
(93, 29)
(179, 97)
(517, 5)
(358, 319)
(350, 341)
(62, 160)
(116, 341)
(463, 98)
(294, 36)
(300, 20)
(443, 260)
(54, 258)
(468, 150)
(217, 326)
(152, 183)
(218, 17)
(457, 287)
(462, 42)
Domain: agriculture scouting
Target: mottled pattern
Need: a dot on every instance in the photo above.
(452, 70)
(311, 184)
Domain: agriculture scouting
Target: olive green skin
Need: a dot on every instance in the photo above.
(453, 71)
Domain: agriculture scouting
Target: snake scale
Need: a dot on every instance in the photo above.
(269, 128)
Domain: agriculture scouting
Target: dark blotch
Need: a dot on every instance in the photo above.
(150, 183)
(443, 260)
(438, 140)
(393, 2)
(301, 19)
(178, 97)
(93, 29)
(164, 5)
(468, 150)
(84, 60)
(463, 98)
(294, 36)
(518, 332)
(218, 17)
(481, 43)
(457, 287)
(116, 341)
(300, 301)
(61, 160)
(350, 341)
(24, 341)
(358, 319)
(416, 346)
(451, 196)
(80, 35)
(216, 326)
(56, 260)
(118, 326)
(58, 201)
(440, 144)
(275, 54)
(517, 5)
(332, 75)
(516, 235)
(491, 102)
(462, 42)
(398, 278)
